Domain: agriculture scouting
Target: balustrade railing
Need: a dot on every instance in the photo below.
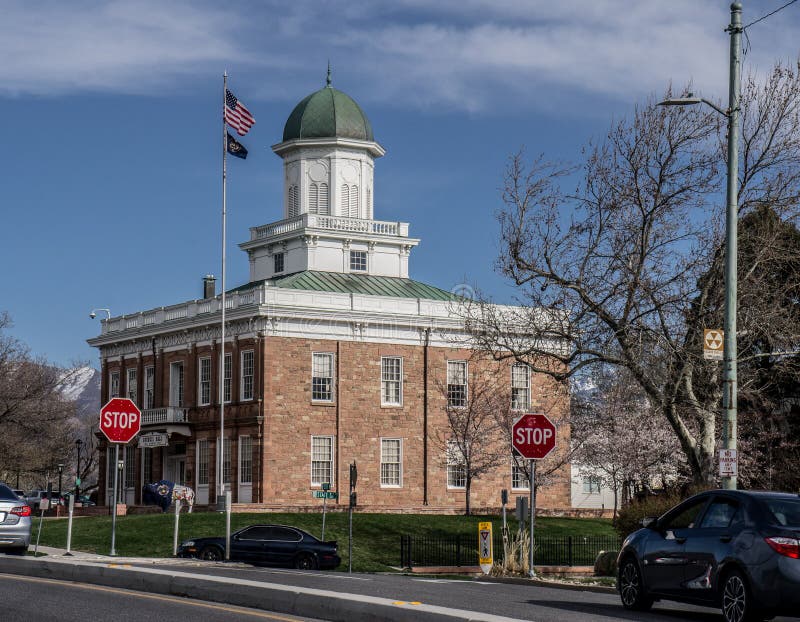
(167, 414)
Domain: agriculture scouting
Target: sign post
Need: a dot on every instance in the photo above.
(353, 501)
(69, 526)
(533, 436)
(120, 421)
(325, 488)
(485, 557)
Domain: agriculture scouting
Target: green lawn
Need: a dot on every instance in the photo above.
(376, 537)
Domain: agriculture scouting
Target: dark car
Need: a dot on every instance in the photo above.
(724, 548)
(277, 545)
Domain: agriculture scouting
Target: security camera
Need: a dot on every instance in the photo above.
(92, 315)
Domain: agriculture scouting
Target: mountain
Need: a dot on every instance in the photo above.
(83, 386)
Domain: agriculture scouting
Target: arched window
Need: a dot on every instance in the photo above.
(353, 201)
(345, 208)
(313, 199)
(294, 206)
(324, 202)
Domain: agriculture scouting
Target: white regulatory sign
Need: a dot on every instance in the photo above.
(728, 463)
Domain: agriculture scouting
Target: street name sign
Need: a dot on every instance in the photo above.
(533, 436)
(154, 439)
(324, 494)
(120, 420)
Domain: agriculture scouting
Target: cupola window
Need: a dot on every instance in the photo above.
(318, 199)
(294, 204)
(358, 261)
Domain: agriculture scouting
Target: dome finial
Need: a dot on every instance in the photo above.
(328, 79)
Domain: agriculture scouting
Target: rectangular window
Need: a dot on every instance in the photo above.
(591, 485)
(391, 462)
(131, 385)
(130, 465)
(226, 381)
(247, 376)
(358, 261)
(519, 479)
(322, 377)
(245, 460)
(147, 465)
(149, 385)
(204, 388)
(520, 387)
(202, 462)
(456, 384)
(176, 384)
(277, 258)
(456, 469)
(391, 380)
(321, 460)
(113, 384)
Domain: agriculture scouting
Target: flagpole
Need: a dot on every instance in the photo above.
(221, 453)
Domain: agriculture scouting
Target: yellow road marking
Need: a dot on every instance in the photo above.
(174, 599)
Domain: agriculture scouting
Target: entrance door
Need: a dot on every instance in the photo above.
(176, 469)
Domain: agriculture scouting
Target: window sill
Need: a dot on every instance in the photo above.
(322, 403)
(391, 486)
(391, 405)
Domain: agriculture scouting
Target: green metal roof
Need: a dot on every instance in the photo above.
(328, 113)
(355, 284)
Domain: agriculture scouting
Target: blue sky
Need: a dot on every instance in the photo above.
(110, 118)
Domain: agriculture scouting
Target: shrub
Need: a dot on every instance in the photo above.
(629, 518)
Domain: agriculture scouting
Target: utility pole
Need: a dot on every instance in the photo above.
(729, 382)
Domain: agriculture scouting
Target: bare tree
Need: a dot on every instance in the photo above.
(35, 418)
(472, 443)
(611, 274)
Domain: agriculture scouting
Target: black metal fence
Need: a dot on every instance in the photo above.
(462, 550)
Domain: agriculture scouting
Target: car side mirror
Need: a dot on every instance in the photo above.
(236, 537)
(649, 522)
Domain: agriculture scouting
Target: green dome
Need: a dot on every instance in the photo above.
(328, 113)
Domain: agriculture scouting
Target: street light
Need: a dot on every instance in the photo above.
(729, 390)
(78, 445)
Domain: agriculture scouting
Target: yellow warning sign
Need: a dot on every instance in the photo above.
(713, 341)
(485, 547)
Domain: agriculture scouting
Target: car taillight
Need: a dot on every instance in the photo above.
(21, 510)
(790, 547)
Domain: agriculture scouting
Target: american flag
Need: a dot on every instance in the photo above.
(236, 115)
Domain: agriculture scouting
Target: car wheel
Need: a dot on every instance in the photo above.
(305, 561)
(631, 587)
(212, 554)
(737, 602)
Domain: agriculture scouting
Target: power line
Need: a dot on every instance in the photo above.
(769, 14)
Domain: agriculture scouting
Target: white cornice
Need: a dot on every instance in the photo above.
(348, 143)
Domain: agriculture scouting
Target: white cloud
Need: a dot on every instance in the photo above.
(458, 54)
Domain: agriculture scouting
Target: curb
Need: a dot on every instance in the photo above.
(600, 589)
(273, 597)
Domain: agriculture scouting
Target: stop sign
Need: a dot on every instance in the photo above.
(533, 436)
(120, 420)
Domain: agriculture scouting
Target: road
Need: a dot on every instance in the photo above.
(523, 602)
(44, 600)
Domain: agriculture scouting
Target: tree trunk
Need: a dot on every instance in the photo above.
(467, 488)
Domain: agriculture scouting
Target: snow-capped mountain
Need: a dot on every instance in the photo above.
(83, 386)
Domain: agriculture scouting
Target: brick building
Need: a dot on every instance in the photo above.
(332, 354)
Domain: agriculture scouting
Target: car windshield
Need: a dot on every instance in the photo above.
(785, 510)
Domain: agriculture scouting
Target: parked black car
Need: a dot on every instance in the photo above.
(732, 549)
(277, 545)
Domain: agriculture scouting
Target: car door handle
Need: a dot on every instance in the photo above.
(680, 540)
(725, 538)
